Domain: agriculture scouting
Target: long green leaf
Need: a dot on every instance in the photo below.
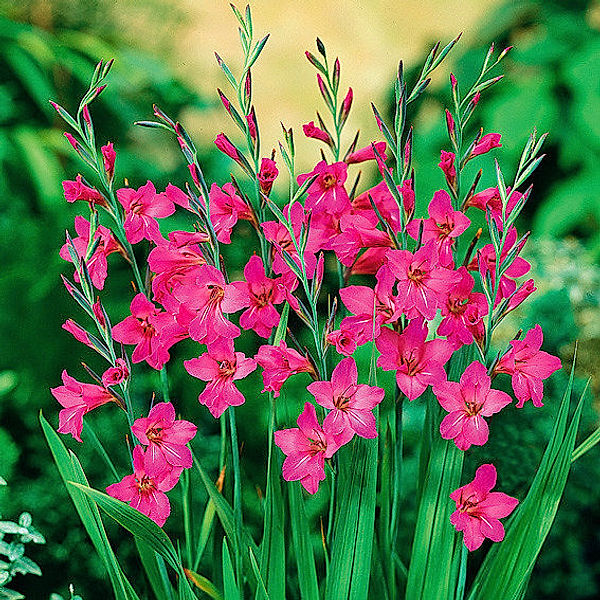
(155, 570)
(231, 590)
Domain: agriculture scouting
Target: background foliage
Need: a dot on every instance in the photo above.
(550, 83)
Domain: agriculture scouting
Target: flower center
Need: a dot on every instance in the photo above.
(154, 434)
(227, 369)
(329, 181)
(146, 484)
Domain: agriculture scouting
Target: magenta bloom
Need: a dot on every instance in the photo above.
(344, 340)
(327, 192)
(468, 402)
(258, 294)
(443, 226)
(80, 334)
(422, 281)
(226, 207)
(367, 153)
(142, 207)
(145, 489)
(486, 143)
(446, 164)
(221, 367)
(97, 265)
(115, 375)
(152, 330)
(267, 175)
(208, 298)
(528, 366)
(165, 437)
(279, 363)
(306, 447)
(417, 363)
(312, 131)
(109, 156)
(478, 509)
(223, 143)
(77, 190)
(77, 399)
(350, 404)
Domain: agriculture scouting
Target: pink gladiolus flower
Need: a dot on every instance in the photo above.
(422, 282)
(77, 399)
(223, 143)
(344, 340)
(267, 175)
(221, 367)
(417, 363)
(165, 437)
(446, 164)
(208, 297)
(226, 207)
(306, 447)
(350, 404)
(145, 489)
(367, 153)
(96, 265)
(478, 509)
(486, 143)
(385, 203)
(468, 402)
(178, 196)
(463, 312)
(80, 334)
(115, 375)
(77, 190)
(258, 294)
(152, 330)
(312, 131)
(528, 366)
(142, 207)
(443, 226)
(279, 363)
(109, 156)
(327, 192)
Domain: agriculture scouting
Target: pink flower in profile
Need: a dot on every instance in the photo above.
(478, 509)
(417, 363)
(422, 281)
(486, 143)
(327, 192)
(109, 156)
(145, 489)
(350, 404)
(152, 330)
(224, 144)
(344, 340)
(115, 375)
(77, 399)
(443, 226)
(166, 438)
(221, 367)
(258, 294)
(367, 153)
(312, 131)
(77, 190)
(279, 363)
(96, 265)
(306, 447)
(80, 334)
(226, 208)
(208, 297)
(446, 164)
(468, 402)
(142, 207)
(267, 175)
(528, 366)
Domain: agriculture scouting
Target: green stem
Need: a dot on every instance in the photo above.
(164, 384)
(237, 496)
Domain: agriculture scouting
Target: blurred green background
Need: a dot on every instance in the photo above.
(48, 50)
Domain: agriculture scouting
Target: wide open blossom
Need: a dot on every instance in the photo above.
(279, 363)
(226, 208)
(327, 192)
(152, 330)
(145, 489)
(166, 438)
(142, 207)
(463, 312)
(372, 307)
(350, 404)
(306, 447)
(422, 281)
(528, 366)
(96, 265)
(207, 298)
(468, 402)
(221, 367)
(77, 399)
(258, 294)
(443, 226)
(478, 509)
(417, 363)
